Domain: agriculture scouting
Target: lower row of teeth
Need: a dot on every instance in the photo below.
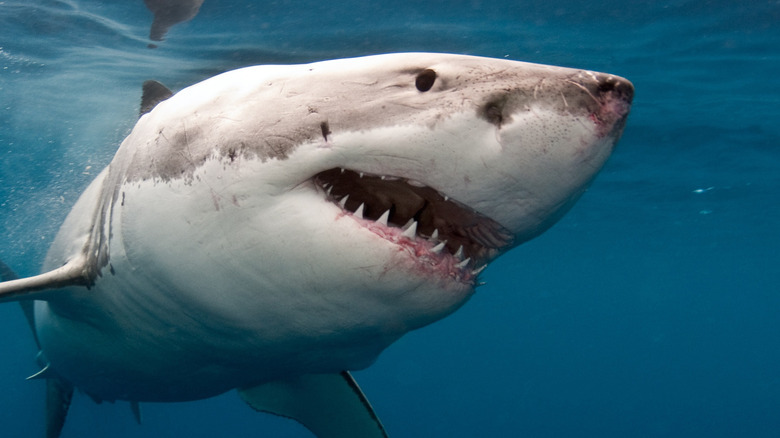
(410, 232)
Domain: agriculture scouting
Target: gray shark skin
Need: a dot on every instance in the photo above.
(273, 227)
(167, 13)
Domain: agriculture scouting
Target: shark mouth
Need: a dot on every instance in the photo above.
(445, 234)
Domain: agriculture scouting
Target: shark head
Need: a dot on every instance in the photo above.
(381, 185)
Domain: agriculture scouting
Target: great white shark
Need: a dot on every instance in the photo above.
(273, 227)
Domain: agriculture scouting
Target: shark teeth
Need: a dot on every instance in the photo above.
(479, 270)
(459, 253)
(463, 264)
(437, 249)
(411, 230)
(383, 219)
(428, 223)
(359, 212)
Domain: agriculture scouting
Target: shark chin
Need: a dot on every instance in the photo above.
(274, 227)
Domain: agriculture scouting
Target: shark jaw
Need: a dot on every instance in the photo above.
(447, 239)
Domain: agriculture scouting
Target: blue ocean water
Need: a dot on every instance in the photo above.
(651, 310)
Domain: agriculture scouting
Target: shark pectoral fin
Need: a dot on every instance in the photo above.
(58, 396)
(329, 405)
(73, 273)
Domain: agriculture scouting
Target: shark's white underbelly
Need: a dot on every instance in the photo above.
(174, 318)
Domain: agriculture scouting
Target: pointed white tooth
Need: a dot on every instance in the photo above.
(359, 211)
(383, 219)
(459, 253)
(479, 270)
(343, 202)
(435, 234)
(437, 249)
(330, 189)
(342, 169)
(411, 231)
(463, 264)
(382, 177)
(361, 174)
(446, 198)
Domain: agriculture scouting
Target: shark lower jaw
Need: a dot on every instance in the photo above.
(446, 238)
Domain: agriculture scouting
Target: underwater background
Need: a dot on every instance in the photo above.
(651, 310)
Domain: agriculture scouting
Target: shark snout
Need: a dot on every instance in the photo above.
(608, 86)
(614, 95)
(603, 98)
(556, 129)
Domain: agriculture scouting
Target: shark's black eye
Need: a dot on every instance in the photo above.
(425, 80)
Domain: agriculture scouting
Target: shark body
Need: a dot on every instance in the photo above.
(273, 227)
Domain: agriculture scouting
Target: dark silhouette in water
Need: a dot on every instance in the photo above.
(170, 12)
(153, 93)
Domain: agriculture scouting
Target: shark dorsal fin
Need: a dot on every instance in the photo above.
(153, 93)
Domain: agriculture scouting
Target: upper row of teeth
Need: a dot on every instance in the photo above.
(411, 182)
(410, 232)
